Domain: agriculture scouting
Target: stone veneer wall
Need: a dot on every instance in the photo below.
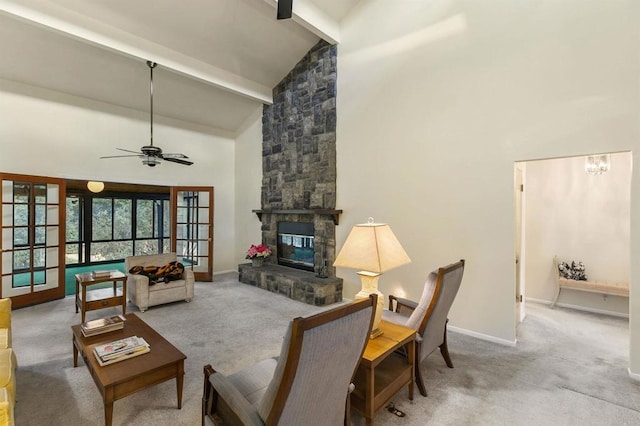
(299, 152)
(299, 136)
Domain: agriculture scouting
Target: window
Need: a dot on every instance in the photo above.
(118, 226)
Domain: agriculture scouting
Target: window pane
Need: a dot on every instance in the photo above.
(166, 245)
(102, 219)
(41, 214)
(146, 247)
(166, 232)
(40, 191)
(20, 237)
(72, 255)
(21, 259)
(21, 215)
(144, 216)
(122, 214)
(39, 277)
(41, 235)
(73, 219)
(39, 258)
(21, 192)
(113, 250)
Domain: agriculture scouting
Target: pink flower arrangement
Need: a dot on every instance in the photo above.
(258, 251)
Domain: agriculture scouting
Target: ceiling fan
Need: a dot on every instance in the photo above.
(150, 154)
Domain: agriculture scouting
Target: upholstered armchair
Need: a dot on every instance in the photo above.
(308, 384)
(143, 294)
(429, 316)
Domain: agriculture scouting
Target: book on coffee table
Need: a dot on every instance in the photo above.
(102, 325)
(120, 350)
(101, 274)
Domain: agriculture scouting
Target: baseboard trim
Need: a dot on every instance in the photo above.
(633, 376)
(481, 336)
(225, 272)
(580, 308)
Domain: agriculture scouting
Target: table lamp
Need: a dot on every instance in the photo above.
(373, 249)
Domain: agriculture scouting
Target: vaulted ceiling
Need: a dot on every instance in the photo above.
(217, 59)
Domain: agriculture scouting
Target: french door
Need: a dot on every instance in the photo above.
(33, 218)
(192, 225)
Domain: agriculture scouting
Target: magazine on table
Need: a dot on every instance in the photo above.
(120, 347)
(123, 355)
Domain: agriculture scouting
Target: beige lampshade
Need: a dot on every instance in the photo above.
(95, 186)
(372, 247)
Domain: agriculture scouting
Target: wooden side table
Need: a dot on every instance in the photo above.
(382, 373)
(100, 298)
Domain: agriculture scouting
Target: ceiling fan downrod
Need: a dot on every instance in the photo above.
(152, 65)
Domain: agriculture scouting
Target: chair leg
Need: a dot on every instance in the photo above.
(208, 393)
(555, 298)
(444, 349)
(347, 410)
(416, 372)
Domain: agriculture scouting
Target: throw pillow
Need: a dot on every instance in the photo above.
(148, 271)
(172, 271)
(574, 271)
(160, 274)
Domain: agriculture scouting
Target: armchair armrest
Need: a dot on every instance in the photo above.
(5, 313)
(138, 290)
(402, 305)
(217, 387)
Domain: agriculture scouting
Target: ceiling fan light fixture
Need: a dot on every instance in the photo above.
(150, 161)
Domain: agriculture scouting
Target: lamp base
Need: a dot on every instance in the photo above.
(376, 333)
(369, 283)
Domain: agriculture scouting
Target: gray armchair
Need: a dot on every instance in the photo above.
(308, 384)
(429, 316)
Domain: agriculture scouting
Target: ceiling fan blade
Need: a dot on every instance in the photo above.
(165, 156)
(122, 156)
(178, 160)
(128, 150)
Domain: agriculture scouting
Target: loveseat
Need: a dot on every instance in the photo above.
(8, 366)
(144, 294)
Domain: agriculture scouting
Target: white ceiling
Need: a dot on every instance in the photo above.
(218, 60)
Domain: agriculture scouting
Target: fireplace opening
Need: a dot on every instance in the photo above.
(295, 245)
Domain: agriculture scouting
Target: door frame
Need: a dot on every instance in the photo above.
(199, 275)
(58, 292)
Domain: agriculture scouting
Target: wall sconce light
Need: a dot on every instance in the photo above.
(95, 186)
(597, 164)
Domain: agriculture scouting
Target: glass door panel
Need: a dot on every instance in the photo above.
(192, 225)
(31, 234)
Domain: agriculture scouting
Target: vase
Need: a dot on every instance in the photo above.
(257, 262)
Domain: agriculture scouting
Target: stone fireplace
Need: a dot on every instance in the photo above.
(299, 179)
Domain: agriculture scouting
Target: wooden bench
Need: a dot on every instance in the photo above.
(601, 287)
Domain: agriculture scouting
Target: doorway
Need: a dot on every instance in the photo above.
(567, 211)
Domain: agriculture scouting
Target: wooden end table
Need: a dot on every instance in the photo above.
(118, 380)
(100, 298)
(382, 373)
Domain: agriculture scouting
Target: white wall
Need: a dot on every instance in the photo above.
(579, 217)
(49, 133)
(248, 185)
(438, 99)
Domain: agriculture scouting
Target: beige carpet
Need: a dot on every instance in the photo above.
(568, 368)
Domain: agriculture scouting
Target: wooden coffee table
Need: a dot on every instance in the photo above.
(115, 381)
